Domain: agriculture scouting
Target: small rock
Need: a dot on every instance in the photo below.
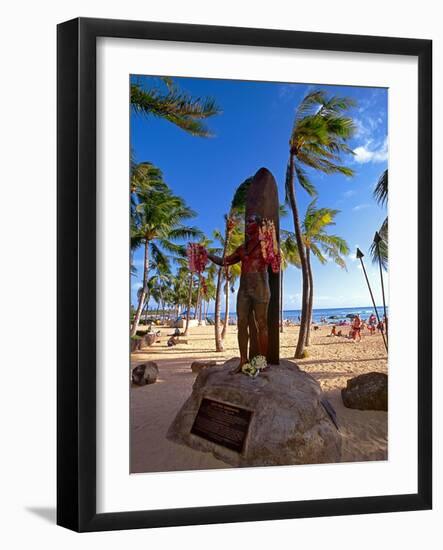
(146, 373)
(367, 392)
(197, 366)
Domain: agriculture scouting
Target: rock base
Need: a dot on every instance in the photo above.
(197, 366)
(288, 425)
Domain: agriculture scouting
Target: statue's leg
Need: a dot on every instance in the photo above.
(261, 319)
(254, 348)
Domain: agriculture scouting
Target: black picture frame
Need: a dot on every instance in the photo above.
(76, 281)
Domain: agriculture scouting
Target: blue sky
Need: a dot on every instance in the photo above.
(253, 131)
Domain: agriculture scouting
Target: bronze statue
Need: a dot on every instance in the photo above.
(254, 293)
(258, 296)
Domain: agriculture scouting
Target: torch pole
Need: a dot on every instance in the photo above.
(377, 240)
(360, 257)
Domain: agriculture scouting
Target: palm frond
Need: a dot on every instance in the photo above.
(381, 252)
(381, 189)
(184, 232)
(317, 253)
(239, 200)
(175, 106)
(304, 180)
(310, 104)
(159, 257)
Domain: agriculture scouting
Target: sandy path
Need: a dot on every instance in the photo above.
(331, 361)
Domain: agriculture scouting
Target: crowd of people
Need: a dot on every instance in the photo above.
(358, 325)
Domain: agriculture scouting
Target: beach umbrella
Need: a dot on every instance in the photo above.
(377, 240)
(360, 257)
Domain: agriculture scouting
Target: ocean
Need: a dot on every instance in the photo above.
(330, 315)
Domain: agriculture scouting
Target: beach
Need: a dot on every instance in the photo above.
(331, 361)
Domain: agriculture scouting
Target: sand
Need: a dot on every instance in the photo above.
(331, 361)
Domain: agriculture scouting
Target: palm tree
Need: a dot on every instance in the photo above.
(232, 220)
(175, 106)
(150, 286)
(210, 292)
(157, 223)
(161, 282)
(317, 142)
(381, 196)
(180, 288)
(322, 245)
(143, 176)
(205, 242)
(189, 305)
(230, 241)
(218, 338)
(232, 273)
(289, 256)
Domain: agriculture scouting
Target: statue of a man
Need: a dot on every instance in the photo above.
(254, 293)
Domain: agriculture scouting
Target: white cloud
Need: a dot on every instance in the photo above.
(366, 153)
(293, 299)
(349, 193)
(365, 127)
(361, 207)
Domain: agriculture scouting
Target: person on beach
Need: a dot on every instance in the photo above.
(254, 292)
(356, 328)
(173, 341)
(372, 323)
(381, 327)
(333, 331)
(385, 323)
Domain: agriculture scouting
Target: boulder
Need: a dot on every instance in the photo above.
(280, 411)
(197, 366)
(367, 392)
(145, 373)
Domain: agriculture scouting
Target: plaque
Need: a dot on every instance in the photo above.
(224, 424)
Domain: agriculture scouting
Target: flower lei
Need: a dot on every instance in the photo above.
(197, 257)
(254, 367)
(269, 245)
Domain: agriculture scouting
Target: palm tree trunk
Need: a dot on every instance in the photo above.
(141, 300)
(301, 249)
(146, 306)
(188, 312)
(200, 311)
(225, 326)
(281, 300)
(218, 340)
(198, 296)
(311, 297)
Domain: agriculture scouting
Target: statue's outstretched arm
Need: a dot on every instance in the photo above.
(229, 260)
